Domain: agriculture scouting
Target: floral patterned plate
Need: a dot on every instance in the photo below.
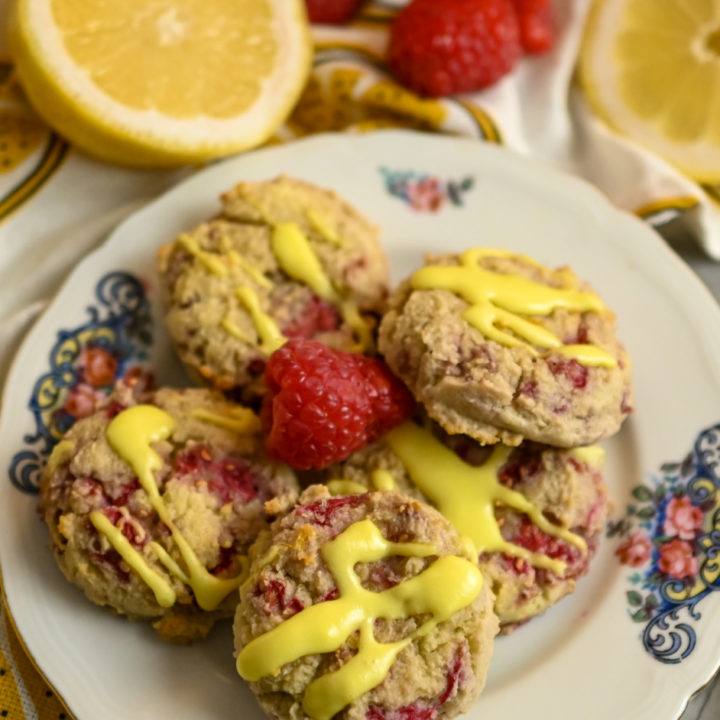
(638, 637)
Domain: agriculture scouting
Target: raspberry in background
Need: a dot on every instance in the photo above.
(536, 19)
(324, 404)
(443, 47)
(331, 12)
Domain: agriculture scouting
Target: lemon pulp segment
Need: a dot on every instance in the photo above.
(651, 69)
(155, 81)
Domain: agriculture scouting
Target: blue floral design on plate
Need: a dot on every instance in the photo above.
(671, 535)
(84, 364)
(425, 192)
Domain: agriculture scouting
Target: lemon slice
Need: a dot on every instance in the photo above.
(651, 69)
(155, 82)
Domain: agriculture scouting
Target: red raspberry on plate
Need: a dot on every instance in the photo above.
(442, 47)
(324, 404)
(537, 25)
(331, 12)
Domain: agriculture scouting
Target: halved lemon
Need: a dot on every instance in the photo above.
(162, 82)
(651, 69)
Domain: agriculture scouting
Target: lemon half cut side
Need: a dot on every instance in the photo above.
(162, 82)
(651, 70)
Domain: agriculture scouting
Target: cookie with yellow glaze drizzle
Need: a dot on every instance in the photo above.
(499, 348)
(283, 259)
(154, 500)
(346, 613)
(534, 513)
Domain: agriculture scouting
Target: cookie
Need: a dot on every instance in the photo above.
(345, 613)
(499, 348)
(534, 513)
(283, 259)
(153, 501)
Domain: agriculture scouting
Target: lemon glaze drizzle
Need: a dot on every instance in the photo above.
(323, 227)
(164, 594)
(466, 494)
(212, 263)
(380, 479)
(241, 420)
(130, 434)
(324, 627)
(339, 486)
(498, 300)
(298, 260)
(270, 336)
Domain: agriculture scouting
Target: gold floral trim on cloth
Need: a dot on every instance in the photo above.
(350, 90)
(22, 137)
(666, 207)
(713, 192)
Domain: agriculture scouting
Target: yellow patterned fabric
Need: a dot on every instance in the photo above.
(24, 694)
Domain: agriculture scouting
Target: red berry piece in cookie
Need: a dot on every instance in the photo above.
(454, 46)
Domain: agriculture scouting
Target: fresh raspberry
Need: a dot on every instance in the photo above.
(324, 404)
(536, 19)
(331, 12)
(454, 46)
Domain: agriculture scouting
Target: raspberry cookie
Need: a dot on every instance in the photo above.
(284, 259)
(535, 513)
(153, 501)
(500, 348)
(346, 613)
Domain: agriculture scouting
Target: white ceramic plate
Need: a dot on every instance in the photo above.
(601, 653)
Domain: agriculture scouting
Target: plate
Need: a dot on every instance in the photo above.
(640, 634)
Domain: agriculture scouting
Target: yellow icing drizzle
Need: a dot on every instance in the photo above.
(382, 480)
(324, 627)
(211, 262)
(255, 275)
(499, 301)
(131, 434)
(270, 336)
(466, 495)
(166, 559)
(345, 487)
(231, 328)
(241, 420)
(297, 258)
(322, 226)
(164, 594)
(62, 452)
(592, 455)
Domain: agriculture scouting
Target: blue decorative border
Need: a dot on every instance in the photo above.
(671, 535)
(117, 335)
